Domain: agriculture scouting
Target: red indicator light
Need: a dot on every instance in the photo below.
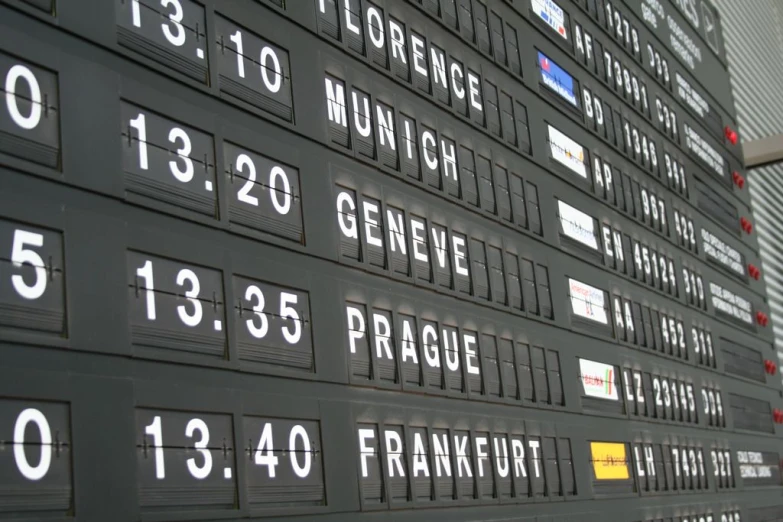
(739, 180)
(730, 134)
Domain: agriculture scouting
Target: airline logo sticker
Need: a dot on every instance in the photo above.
(577, 225)
(598, 379)
(567, 151)
(557, 79)
(609, 460)
(587, 301)
(552, 14)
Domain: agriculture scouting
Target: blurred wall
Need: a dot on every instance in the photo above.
(753, 35)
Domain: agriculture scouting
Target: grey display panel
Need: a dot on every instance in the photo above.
(351, 259)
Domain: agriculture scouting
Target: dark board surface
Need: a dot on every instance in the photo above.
(343, 260)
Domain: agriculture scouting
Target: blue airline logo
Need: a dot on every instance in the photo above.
(557, 79)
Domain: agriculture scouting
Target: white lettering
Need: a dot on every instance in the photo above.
(408, 343)
(481, 453)
(475, 94)
(347, 218)
(451, 364)
(375, 27)
(419, 243)
(639, 468)
(356, 326)
(518, 450)
(348, 22)
(362, 126)
(440, 246)
(730, 303)
(420, 463)
(419, 63)
(408, 140)
(501, 458)
(386, 126)
(371, 223)
(397, 41)
(705, 151)
(438, 66)
(394, 453)
(460, 444)
(456, 86)
(534, 445)
(335, 95)
(396, 232)
(276, 81)
(365, 451)
(460, 258)
(607, 233)
(429, 158)
(430, 339)
(441, 449)
(449, 159)
(649, 462)
(382, 333)
(469, 343)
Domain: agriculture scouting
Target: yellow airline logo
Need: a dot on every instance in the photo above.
(609, 460)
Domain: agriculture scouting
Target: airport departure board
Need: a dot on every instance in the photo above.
(379, 260)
